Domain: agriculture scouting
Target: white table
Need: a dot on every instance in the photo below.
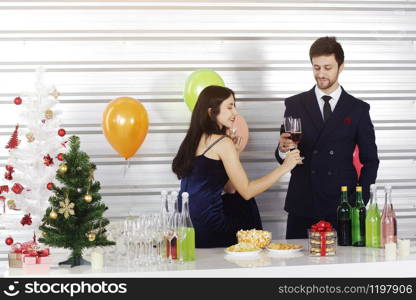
(349, 262)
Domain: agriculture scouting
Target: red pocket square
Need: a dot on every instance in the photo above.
(347, 120)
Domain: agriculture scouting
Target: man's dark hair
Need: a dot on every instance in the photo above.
(327, 46)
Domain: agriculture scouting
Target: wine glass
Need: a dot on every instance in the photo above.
(128, 233)
(294, 127)
(288, 124)
(171, 235)
(296, 132)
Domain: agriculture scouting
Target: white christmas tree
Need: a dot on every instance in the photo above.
(35, 151)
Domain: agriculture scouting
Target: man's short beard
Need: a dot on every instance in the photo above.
(330, 83)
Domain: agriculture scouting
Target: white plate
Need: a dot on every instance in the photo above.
(288, 251)
(243, 254)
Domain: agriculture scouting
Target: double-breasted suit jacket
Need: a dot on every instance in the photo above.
(327, 148)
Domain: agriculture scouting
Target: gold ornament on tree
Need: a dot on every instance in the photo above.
(66, 208)
(30, 137)
(62, 168)
(49, 114)
(91, 236)
(53, 215)
(44, 234)
(87, 198)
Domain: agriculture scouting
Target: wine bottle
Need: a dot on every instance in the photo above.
(372, 221)
(174, 244)
(344, 219)
(358, 219)
(188, 243)
(164, 216)
(388, 220)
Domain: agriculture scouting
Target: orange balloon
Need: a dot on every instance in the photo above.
(125, 124)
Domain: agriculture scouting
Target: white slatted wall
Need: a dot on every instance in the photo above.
(98, 50)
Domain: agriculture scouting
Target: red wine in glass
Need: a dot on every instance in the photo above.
(296, 137)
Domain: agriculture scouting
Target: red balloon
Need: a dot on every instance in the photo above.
(356, 161)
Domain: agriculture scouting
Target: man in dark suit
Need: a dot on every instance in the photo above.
(333, 123)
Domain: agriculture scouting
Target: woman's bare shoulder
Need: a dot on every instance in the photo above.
(226, 144)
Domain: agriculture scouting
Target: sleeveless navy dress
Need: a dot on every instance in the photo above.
(216, 217)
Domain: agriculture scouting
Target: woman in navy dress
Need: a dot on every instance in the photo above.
(208, 165)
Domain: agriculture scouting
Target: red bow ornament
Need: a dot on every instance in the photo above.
(17, 188)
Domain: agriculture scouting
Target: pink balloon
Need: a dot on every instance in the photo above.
(241, 130)
(356, 161)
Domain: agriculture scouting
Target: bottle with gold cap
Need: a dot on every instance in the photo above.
(344, 219)
(358, 219)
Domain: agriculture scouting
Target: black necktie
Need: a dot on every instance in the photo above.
(327, 107)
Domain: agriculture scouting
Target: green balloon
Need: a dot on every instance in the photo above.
(196, 82)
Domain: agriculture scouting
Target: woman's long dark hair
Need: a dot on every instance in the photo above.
(201, 122)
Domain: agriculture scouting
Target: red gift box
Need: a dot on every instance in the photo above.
(36, 260)
(29, 256)
(322, 239)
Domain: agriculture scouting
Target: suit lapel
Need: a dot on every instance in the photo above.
(342, 108)
(312, 108)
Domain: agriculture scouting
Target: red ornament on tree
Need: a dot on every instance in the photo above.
(9, 241)
(47, 160)
(60, 156)
(17, 100)
(8, 176)
(26, 220)
(17, 188)
(49, 186)
(9, 168)
(4, 188)
(14, 141)
(61, 132)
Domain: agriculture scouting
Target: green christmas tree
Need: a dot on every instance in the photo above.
(75, 219)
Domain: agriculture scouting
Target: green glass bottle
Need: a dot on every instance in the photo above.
(187, 231)
(358, 219)
(344, 219)
(373, 221)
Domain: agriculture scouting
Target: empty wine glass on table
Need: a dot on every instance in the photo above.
(128, 231)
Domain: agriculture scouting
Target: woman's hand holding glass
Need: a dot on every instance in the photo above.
(292, 159)
(286, 143)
